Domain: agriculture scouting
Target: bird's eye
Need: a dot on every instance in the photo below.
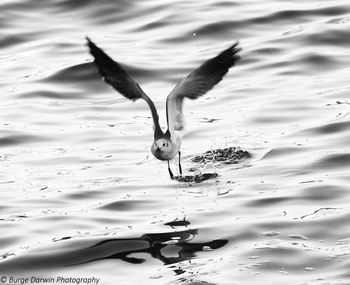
(163, 144)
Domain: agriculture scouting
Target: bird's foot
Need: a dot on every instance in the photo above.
(170, 172)
(180, 168)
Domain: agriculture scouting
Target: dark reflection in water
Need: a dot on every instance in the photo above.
(178, 223)
(169, 248)
(197, 178)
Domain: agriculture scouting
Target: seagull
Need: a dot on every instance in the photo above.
(166, 145)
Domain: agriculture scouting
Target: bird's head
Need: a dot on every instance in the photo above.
(161, 148)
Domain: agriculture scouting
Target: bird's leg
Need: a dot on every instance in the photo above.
(180, 168)
(170, 172)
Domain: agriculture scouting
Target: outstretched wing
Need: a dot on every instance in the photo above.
(121, 81)
(197, 83)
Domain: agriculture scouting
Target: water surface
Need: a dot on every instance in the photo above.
(81, 194)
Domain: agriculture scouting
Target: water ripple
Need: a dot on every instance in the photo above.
(80, 190)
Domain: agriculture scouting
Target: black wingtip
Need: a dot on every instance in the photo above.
(92, 46)
(95, 51)
(232, 53)
(235, 49)
(89, 43)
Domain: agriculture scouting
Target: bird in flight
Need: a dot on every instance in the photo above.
(166, 145)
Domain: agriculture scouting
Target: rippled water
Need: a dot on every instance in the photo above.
(81, 195)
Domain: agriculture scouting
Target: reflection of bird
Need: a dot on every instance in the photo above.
(168, 247)
(197, 83)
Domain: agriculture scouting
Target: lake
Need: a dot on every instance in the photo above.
(83, 201)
